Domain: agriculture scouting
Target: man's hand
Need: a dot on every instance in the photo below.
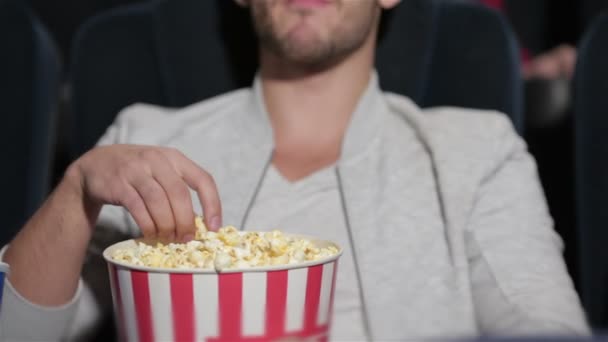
(152, 183)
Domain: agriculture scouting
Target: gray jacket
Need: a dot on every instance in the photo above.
(493, 265)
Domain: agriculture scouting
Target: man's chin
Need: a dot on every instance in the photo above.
(305, 50)
(310, 58)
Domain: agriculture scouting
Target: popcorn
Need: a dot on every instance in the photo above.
(222, 260)
(200, 227)
(228, 248)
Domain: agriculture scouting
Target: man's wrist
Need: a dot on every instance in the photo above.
(72, 187)
(72, 181)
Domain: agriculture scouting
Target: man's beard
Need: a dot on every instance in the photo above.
(344, 40)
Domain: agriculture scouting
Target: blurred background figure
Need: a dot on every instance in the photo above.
(548, 32)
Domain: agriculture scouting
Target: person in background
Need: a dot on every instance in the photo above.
(556, 63)
(443, 220)
(531, 21)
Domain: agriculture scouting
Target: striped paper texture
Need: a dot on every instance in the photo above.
(250, 306)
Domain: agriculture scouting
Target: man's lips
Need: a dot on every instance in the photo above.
(308, 3)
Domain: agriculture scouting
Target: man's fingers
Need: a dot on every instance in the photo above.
(136, 206)
(178, 195)
(201, 181)
(157, 203)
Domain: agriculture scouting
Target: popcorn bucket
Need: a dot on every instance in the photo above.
(274, 303)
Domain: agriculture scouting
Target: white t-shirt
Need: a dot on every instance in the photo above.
(312, 206)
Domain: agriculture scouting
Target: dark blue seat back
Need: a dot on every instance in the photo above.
(449, 53)
(591, 148)
(29, 89)
(174, 53)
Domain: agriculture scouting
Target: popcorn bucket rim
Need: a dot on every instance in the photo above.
(132, 243)
(4, 268)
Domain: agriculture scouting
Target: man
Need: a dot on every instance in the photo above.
(443, 221)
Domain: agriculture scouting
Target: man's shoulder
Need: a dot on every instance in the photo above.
(143, 123)
(455, 121)
(460, 132)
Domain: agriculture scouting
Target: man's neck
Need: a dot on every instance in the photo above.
(318, 103)
(310, 111)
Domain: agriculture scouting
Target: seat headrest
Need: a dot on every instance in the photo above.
(205, 48)
(405, 47)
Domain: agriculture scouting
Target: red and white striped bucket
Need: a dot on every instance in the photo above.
(262, 304)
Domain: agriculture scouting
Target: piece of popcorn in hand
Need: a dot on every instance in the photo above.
(201, 229)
